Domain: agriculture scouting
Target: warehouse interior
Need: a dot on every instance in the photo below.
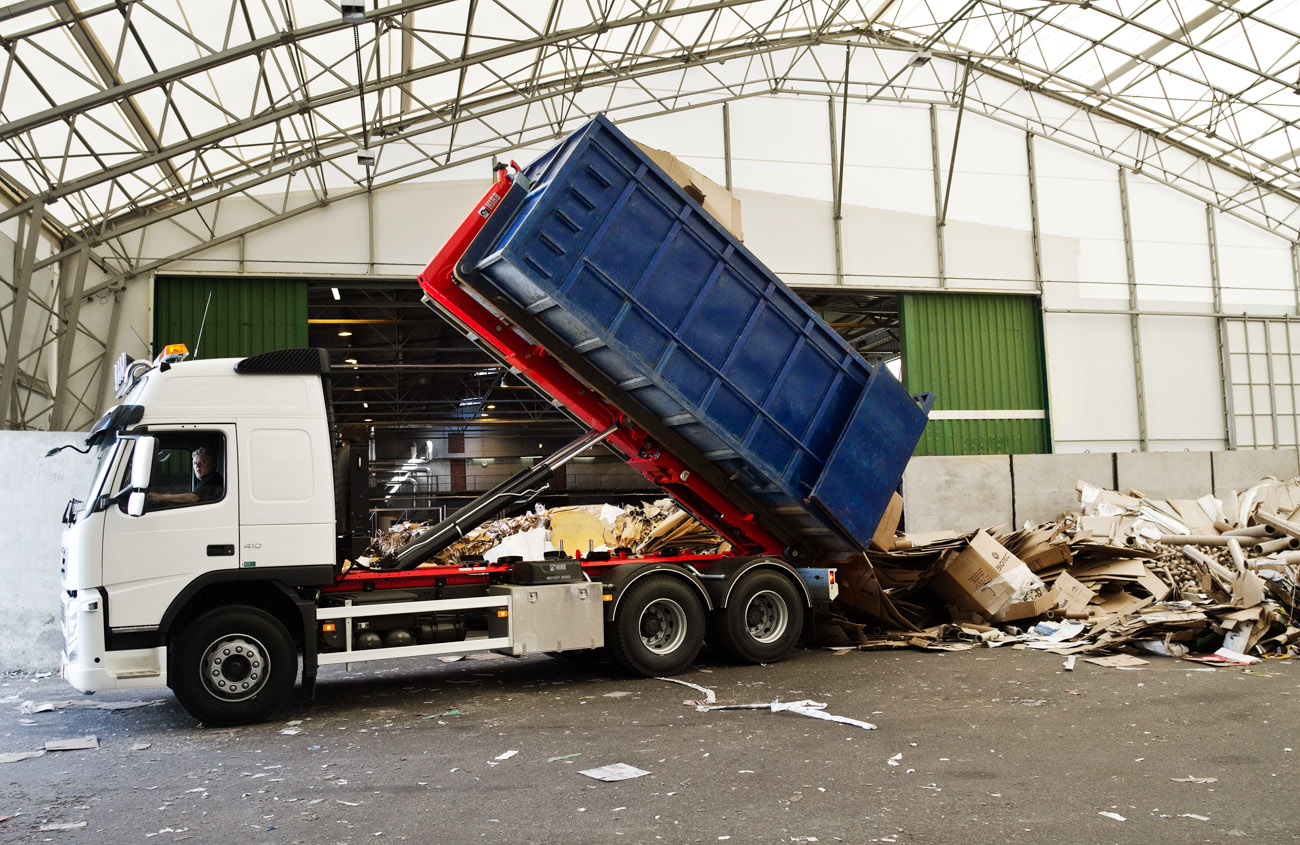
(1069, 229)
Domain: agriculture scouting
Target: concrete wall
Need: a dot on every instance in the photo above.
(33, 493)
(1045, 484)
(1166, 475)
(1240, 470)
(957, 492)
(965, 493)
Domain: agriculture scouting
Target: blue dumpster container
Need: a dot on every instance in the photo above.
(621, 276)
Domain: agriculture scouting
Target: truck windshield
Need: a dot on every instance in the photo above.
(105, 458)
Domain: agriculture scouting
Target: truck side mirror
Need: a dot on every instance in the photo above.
(141, 472)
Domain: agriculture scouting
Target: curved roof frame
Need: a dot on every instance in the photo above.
(111, 129)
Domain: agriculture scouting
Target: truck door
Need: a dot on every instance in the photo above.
(190, 525)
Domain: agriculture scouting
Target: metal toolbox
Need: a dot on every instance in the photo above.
(551, 617)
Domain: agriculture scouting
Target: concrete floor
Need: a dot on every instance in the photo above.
(995, 745)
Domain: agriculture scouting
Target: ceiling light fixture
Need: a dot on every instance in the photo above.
(334, 292)
(345, 333)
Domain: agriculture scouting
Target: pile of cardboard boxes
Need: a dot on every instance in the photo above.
(1171, 577)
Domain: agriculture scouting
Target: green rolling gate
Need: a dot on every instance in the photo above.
(983, 355)
(247, 315)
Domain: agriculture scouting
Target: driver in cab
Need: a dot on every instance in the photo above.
(210, 487)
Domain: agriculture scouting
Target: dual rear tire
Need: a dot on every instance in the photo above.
(660, 623)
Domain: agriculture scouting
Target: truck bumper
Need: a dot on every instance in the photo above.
(88, 666)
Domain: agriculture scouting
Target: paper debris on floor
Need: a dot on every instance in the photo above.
(614, 772)
(81, 743)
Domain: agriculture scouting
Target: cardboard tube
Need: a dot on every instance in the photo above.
(1238, 558)
(1280, 544)
(1193, 540)
(1252, 531)
(1278, 524)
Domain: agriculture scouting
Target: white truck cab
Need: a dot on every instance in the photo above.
(154, 544)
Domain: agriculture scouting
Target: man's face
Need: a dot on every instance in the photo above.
(202, 465)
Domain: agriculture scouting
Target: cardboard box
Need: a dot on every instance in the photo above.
(970, 578)
(1066, 594)
(1074, 597)
(883, 539)
(1028, 609)
(712, 197)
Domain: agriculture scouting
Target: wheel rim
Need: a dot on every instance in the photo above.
(235, 667)
(766, 617)
(663, 626)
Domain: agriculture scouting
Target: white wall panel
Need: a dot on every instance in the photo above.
(887, 160)
(889, 249)
(1184, 406)
(338, 242)
(1255, 268)
(1082, 230)
(768, 156)
(412, 222)
(1171, 253)
(693, 136)
(1092, 388)
(793, 237)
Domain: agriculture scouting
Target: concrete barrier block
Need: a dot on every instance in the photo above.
(1045, 485)
(1164, 475)
(1242, 469)
(33, 493)
(958, 493)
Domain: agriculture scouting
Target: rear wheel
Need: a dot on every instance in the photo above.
(763, 619)
(659, 627)
(233, 666)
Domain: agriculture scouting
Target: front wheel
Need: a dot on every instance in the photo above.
(659, 627)
(233, 666)
(763, 619)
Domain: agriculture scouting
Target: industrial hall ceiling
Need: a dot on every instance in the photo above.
(119, 116)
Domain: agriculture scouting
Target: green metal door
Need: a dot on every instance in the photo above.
(245, 315)
(983, 357)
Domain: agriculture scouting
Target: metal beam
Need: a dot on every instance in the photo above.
(956, 138)
(1035, 227)
(105, 387)
(938, 197)
(9, 417)
(74, 270)
(1220, 332)
(1134, 325)
(837, 199)
(105, 69)
(203, 64)
(726, 145)
(215, 136)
